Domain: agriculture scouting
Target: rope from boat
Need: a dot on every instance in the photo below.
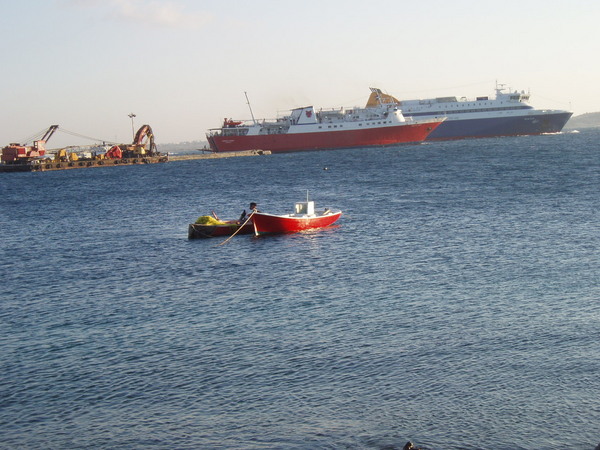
(237, 231)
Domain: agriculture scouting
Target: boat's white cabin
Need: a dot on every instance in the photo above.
(307, 208)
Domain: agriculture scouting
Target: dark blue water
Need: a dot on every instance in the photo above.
(456, 305)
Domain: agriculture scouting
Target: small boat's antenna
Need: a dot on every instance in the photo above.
(250, 107)
(307, 196)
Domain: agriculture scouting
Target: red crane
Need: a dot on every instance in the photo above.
(15, 153)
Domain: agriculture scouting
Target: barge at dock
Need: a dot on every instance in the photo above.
(35, 158)
(41, 166)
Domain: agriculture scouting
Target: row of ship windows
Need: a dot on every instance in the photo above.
(514, 108)
(360, 124)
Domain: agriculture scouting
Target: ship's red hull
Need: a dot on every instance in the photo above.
(272, 224)
(325, 140)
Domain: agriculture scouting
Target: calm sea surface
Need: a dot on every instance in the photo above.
(456, 305)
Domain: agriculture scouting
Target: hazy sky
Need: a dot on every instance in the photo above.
(183, 65)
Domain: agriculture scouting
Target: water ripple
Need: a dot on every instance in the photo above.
(454, 306)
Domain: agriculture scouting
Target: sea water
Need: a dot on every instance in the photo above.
(456, 304)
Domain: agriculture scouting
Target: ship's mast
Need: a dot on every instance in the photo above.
(250, 107)
(499, 87)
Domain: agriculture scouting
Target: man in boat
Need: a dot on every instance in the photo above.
(245, 215)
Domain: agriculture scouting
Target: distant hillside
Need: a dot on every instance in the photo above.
(587, 120)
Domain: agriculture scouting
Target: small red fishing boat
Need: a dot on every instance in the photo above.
(207, 227)
(303, 218)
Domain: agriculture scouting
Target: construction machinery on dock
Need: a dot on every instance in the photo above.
(23, 158)
(16, 154)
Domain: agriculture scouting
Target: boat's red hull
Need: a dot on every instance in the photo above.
(325, 140)
(272, 224)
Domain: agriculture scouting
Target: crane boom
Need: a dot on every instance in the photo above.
(49, 132)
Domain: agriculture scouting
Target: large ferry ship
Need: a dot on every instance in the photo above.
(305, 128)
(508, 114)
